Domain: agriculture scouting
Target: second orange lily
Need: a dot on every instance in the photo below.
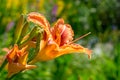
(17, 60)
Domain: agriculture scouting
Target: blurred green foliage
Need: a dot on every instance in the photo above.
(101, 17)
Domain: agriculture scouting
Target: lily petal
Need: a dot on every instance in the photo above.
(52, 51)
(14, 68)
(62, 33)
(74, 48)
(40, 20)
(12, 53)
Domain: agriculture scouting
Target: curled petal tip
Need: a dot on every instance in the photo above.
(89, 56)
(30, 66)
(89, 52)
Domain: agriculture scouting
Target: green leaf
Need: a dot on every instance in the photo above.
(18, 29)
(32, 34)
(3, 65)
(24, 31)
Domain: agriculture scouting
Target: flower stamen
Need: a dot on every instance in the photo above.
(80, 37)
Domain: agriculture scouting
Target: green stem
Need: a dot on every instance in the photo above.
(12, 76)
(3, 65)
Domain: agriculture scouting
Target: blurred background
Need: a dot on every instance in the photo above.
(100, 17)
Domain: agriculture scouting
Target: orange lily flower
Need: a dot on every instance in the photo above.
(57, 40)
(17, 60)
